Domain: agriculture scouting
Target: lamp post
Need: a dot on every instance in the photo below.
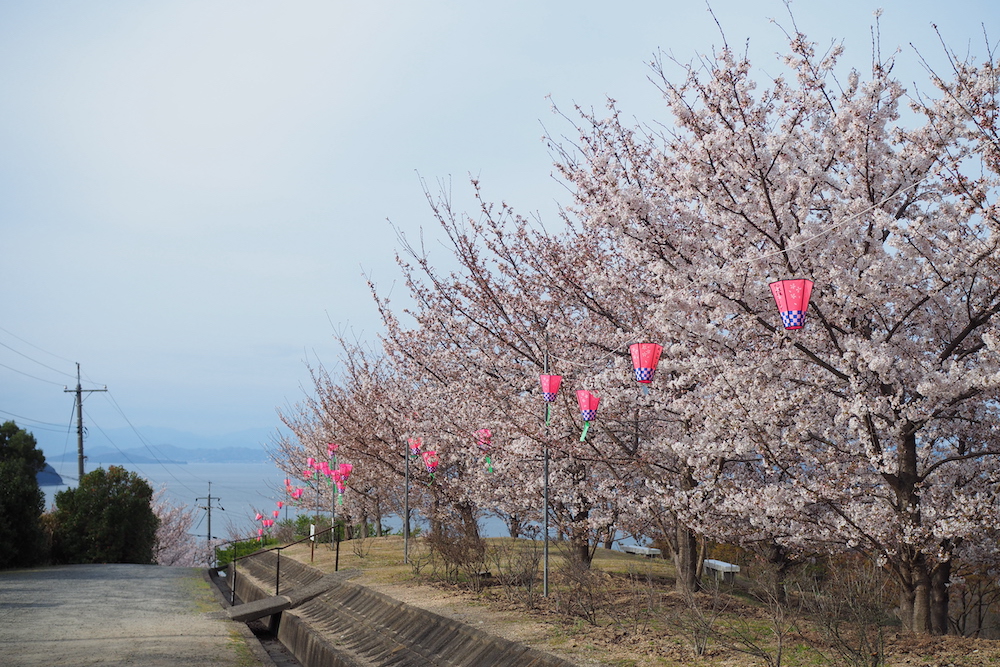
(406, 512)
(550, 388)
(331, 452)
(414, 445)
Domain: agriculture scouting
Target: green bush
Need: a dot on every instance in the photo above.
(302, 522)
(22, 540)
(108, 518)
(225, 555)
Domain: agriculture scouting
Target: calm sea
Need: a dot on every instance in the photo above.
(239, 491)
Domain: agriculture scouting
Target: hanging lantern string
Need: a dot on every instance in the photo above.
(833, 226)
(591, 364)
(802, 243)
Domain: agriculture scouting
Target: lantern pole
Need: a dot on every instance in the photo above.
(333, 507)
(406, 507)
(545, 496)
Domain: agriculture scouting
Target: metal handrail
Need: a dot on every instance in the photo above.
(277, 568)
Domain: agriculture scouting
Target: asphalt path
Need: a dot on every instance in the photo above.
(143, 615)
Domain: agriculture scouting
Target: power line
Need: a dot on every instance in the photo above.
(61, 372)
(144, 442)
(59, 427)
(10, 368)
(51, 354)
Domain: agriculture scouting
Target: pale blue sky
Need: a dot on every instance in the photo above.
(189, 191)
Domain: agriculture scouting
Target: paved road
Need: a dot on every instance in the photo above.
(142, 615)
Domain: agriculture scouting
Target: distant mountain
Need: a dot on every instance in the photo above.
(167, 445)
(168, 454)
(157, 437)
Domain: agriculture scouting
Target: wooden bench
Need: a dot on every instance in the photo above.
(648, 552)
(726, 570)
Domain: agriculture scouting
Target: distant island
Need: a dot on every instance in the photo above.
(168, 454)
(48, 476)
(153, 445)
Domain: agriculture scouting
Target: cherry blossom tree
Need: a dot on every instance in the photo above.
(874, 427)
(175, 545)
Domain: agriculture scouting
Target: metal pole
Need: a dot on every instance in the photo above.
(79, 419)
(333, 503)
(545, 528)
(406, 509)
(79, 425)
(277, 574)
(545, 486)
(208, 541)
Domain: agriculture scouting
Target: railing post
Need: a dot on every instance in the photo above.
(233, 585)
(277, 574)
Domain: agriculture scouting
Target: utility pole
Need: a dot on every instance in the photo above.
(79, 418)
(208, 506)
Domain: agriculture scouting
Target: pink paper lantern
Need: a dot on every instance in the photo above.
(431, 460)
(415, 445)
(645, 357)
(259, 516)
(275, 513)
(588, 404)
(311, 462)
(484, 439)
(280, 504)
(345, 471)
(331, 449)
(550, 386)
(792, 298)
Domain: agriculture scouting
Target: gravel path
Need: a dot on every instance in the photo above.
(116, 615)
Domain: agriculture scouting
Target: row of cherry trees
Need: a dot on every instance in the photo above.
(872, 429)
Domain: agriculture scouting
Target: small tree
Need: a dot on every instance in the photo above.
(22, 541)
(109, 518)
(175, 545)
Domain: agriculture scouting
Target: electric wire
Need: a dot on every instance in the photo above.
(51, 354)
(37, 424)
(33, 377)
(37, 361)
(145, 442)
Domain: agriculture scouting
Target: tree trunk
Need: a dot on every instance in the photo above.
(940, 577)
(686, 559)
(470, 526)
(915, 596)
(920, 582)
(777, 557)
(514, 525)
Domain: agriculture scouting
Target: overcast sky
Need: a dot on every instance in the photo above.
(190, 192)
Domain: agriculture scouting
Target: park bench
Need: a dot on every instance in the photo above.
(648, 552)
(726, 570)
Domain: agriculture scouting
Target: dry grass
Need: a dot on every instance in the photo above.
(631, 615)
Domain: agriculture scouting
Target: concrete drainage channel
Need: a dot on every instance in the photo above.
(324, 619)
(277, 654)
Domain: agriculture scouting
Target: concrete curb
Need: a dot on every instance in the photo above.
(348, 625)
(249, 638)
